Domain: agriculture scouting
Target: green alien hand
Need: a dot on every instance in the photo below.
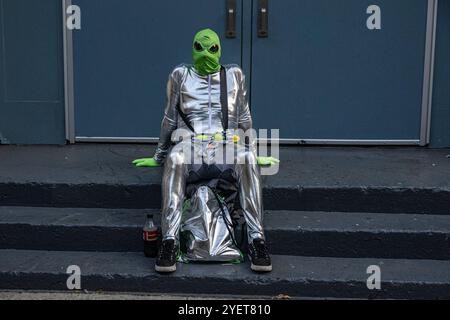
(146, 162)
(267, 161)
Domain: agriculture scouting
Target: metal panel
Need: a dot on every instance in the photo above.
(427, 95)
(117, 139)
(322, 76)
(31, 72)
(124, 53)
(68, 77)
(422, 137)
(440, 120)
(265, 141)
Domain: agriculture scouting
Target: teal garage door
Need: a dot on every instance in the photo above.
(123, 55)
(31, 72)
(326, 71)
(340, 70)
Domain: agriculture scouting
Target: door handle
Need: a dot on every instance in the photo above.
(231, 19)
(263, 18)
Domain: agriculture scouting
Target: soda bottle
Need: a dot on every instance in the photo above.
(150, 236)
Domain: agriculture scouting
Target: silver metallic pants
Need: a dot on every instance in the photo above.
(176, 171)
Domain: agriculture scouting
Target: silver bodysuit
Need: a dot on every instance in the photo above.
(199, 99)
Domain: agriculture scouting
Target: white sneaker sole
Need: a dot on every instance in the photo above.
(166, 269)
(261, 268)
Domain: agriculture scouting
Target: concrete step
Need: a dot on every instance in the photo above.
(390, 180)
(326, 234)
(292, 197)
(358, 199)
(294, 276)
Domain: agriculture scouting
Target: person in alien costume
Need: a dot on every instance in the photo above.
(194, 103)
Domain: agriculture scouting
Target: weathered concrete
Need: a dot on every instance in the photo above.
(359, 188)
(331, 234)
(86, 295)
(401, 180)
(294, 276)
(300, 166)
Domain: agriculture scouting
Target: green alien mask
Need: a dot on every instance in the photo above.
(206, 52)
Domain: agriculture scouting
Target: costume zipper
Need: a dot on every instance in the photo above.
(209, 102)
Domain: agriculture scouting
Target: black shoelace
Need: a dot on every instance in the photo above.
(166, 251)
(260, 250)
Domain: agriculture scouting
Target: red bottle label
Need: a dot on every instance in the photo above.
(150, 235)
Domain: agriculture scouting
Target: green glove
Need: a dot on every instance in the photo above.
(147, 162)
(267, 161)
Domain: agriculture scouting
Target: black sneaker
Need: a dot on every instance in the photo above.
(167, 257)
(259, 256)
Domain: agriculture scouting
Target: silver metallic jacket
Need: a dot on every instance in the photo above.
(199, 99)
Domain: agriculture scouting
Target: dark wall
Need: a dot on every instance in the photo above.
(440, 118)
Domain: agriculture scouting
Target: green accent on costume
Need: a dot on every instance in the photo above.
(186, 206)
(218, 137)
(267, 161)
(146, 162)
(180, 257)
(206, 52)
(202, 137)
(238, 260)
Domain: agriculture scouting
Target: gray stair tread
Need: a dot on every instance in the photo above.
(290, 275)
(356, 222)
(300, 233)
(402, 167)
(291, 268)
(74, 216)
(345, 179)
(274, 220)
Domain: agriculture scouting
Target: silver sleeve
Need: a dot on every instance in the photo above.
(170, 119)
(243, 109)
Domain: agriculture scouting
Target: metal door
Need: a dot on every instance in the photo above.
(326, 72)
(123, 55)
(31, 72)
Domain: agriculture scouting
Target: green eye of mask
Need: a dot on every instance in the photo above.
(206, 52)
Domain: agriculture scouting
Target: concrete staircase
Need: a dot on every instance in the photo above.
(331, 213)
